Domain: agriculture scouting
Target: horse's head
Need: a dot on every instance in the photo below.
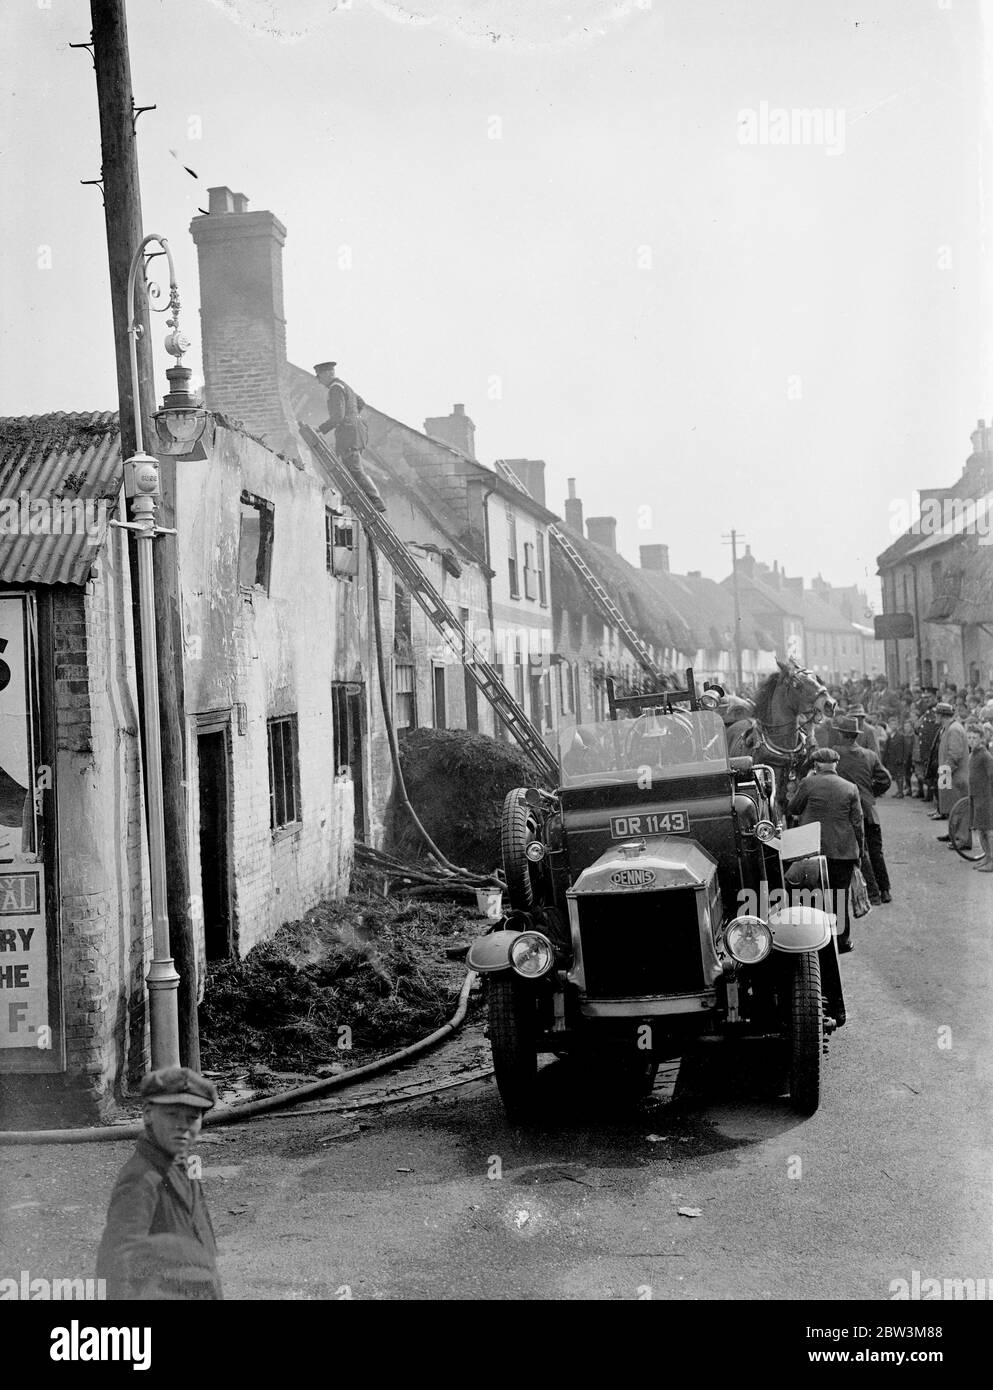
(807, 696)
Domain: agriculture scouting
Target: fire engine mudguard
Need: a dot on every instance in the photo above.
(491, 952)
(798, 929)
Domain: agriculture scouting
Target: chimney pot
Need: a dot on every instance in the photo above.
(654, 557)
(221, 200)
(240, 202)
(602, 530)
(572, 486)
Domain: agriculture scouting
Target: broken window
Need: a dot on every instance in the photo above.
(401, 620)
(255, 542)
(284, 774)
(341, 544)
(404, 704)
(530, 582)
(515, 588)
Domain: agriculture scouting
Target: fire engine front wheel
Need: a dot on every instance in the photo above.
(806, 1034)
(513, 1020)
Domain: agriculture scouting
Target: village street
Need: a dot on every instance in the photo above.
(444, 1200)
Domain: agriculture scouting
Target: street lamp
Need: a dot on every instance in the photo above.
(178, 426)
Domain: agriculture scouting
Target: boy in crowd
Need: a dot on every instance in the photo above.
(159, 1242)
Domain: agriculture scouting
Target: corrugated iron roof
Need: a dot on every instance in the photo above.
(59, 458)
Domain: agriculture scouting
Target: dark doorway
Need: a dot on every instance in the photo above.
(215, 864)
(471, 703)
(348, 706)
(440, 713)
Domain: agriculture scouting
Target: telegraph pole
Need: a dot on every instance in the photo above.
(122, 204)
(733, 541)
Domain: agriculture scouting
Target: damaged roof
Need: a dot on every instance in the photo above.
(69, 459)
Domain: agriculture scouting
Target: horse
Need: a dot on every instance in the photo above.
(786, 706)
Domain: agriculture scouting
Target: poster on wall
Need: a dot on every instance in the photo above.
(24, 986)
(23, 959)
(16, 728)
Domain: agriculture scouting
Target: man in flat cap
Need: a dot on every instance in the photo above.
(825, 797)
(350, 433)
(953, 761)
(862, 767)
(159, 1242)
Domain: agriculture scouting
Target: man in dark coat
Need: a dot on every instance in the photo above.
(159, 1242)
(981, 795)
(825, 797)
(863, 768)
(898, 758)
(350, 432)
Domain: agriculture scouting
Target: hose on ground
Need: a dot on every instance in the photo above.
(235, 1114)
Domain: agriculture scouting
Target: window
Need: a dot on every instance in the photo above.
(515, 588)
(530, 579)
(539, 554)
(284, 776)
(341, 544)
(404, 704)
(546, 692)
(401, 620)
(255, 542)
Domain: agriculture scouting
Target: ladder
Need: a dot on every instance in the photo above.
(380, 533)
(608, 608)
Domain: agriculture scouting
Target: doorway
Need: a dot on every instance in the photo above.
(348, 710)
(213, 760)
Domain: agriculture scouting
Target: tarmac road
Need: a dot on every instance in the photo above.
(444, 1200)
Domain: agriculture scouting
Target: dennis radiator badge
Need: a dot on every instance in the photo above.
(633, 878)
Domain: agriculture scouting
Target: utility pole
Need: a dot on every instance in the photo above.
(733, 541)
(122, 204)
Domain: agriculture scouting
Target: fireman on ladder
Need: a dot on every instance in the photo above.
(350, 432)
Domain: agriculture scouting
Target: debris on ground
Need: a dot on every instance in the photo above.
(357, 977)
(456, 782)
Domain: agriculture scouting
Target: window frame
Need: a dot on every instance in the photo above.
(512, 571)
(341, 532)
(263, 555)
(285, 723)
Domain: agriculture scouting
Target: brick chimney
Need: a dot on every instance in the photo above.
(602, 530)
(455, 429)
(532, 474)
(573, 508)
(746, 563)
(242, 324)
(655, 557)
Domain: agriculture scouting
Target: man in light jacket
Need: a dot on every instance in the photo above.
(953, 762)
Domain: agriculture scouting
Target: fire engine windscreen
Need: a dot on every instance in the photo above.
(670, 745)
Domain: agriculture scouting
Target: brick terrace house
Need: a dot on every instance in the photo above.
(270, 807)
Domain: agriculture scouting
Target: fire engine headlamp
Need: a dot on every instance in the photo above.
(765, 831)
(531, 954)
(535, 851)
(748, 940)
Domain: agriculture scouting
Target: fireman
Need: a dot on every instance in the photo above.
(350, 433)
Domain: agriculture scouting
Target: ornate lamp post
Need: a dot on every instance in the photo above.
(178, 426)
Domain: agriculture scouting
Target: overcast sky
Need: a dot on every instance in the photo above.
(572, 217)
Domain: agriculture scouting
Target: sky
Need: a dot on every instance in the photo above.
(600, 224)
